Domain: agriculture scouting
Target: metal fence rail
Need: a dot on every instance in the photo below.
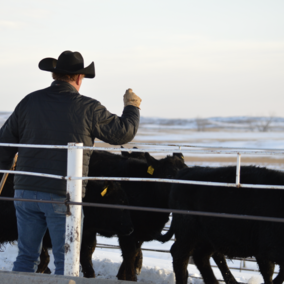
(152, 209)
(191, 149)
(260, 186)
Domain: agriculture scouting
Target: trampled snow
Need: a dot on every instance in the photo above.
(234, 132)
(157, 267)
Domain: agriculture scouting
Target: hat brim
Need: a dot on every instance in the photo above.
(49, 64)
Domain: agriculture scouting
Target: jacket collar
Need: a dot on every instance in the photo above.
(64, 86)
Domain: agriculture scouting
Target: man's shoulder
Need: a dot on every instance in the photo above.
(89, 100)
(80, 99)
(30, 96)
(37, 92)
(50, 90)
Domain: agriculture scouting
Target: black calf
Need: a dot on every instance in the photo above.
(204, 236)
(146, 194)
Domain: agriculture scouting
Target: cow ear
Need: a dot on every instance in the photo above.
(107, 183)
(124, 153)
(104, 192)
(151, 161)
(137, 155)
(179, 155)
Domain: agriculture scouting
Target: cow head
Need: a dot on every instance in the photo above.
(135, 155)
(166, 167)
(107, 221)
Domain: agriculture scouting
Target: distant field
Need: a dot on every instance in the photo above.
(236, 132)
(213, 138)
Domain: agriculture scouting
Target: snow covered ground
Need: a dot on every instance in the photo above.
(157, 266)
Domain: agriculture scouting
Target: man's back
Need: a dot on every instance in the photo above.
(55, 116)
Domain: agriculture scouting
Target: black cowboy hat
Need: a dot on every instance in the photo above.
(68, 62)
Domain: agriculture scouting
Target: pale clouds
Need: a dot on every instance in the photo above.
(201, 54)
(11, 16)
(11, 24)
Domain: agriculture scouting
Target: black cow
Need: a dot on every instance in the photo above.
(146, 194)
(105, 221)
(202, 237)
(8, 221)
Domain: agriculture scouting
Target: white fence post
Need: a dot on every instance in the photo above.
(238, 170)
(73, 219)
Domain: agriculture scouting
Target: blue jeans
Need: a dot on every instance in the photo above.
(33, 219)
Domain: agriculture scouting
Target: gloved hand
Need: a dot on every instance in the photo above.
(131, 98)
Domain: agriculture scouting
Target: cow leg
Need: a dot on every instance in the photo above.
(121, 275)
(137, 264)
(222, 265)
(44, 261)
(181, 252)
(266, 268)
(88, 246)
(279, 279)
(201, 257)
(139, 259)
(129, 252)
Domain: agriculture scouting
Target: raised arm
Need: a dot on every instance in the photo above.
(117, 130)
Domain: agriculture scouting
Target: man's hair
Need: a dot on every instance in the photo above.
(65, 77)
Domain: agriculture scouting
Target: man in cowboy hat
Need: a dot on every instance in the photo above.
(56, 115)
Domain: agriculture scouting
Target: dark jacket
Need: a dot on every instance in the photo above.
(55, 116)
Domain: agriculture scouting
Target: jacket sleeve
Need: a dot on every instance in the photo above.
(113, 129)
(9, 134)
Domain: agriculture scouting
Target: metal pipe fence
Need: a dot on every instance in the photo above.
(187, 149)
(74, 185)
(152, 209)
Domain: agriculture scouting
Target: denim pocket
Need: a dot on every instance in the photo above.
(59, 208)
(19, 193)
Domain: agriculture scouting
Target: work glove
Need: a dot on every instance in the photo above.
(131, 99)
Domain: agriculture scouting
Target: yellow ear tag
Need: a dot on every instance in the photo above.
(103, 193)
(150, 170)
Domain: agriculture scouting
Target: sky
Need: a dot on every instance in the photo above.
(184, 58)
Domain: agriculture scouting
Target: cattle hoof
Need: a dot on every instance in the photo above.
(91, 275)
(120, 277)
(131, 278)
(47, 271)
